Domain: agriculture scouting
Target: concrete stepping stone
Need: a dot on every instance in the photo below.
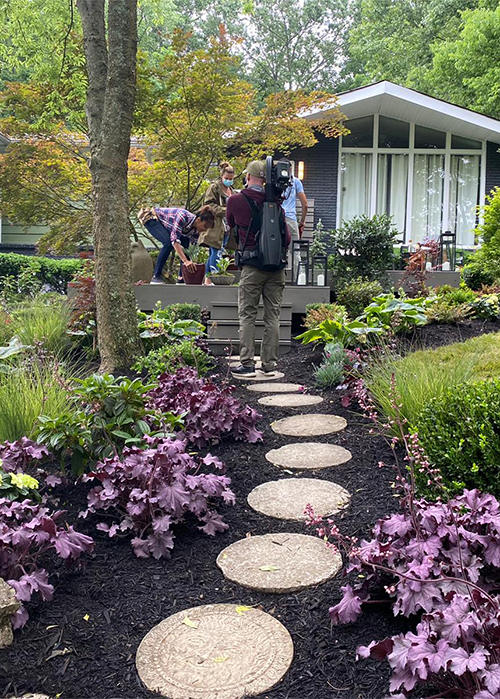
(309, 425)
(290, 400)
(216, 651)
(288, 497)
(233, 365)
(308, 455)
(276, 387)
(260, 376)
(279, 562)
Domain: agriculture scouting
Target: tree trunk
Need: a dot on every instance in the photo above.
(111, 68)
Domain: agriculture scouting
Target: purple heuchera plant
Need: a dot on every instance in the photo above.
(27, 532)
(439, 560)
(210, 412)
(151, 490)
(15, 456)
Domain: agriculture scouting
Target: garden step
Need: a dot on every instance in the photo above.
(275, 387)
(290, 400)
(309, 425)
(288, 498)
(230, 330)
(260, 376)
(229, 311)
(216, 651)
(221, 346)
(278, 563)
(308, 455)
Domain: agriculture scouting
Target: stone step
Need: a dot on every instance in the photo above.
(230, 330)
(308, 455)
(222, 347)
(229, 311)
(288, 498)
(309, 425)
(290, 400)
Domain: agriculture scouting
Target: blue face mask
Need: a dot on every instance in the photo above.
(227, 183)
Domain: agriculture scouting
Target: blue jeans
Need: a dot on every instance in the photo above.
(215, 255)
(161, 234)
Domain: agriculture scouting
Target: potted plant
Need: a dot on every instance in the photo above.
(199, 256)
(221, 276)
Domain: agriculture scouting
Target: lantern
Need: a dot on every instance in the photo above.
(300, 262)
(448, 250)
(319, 270)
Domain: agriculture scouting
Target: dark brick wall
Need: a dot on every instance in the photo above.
(492, 166)
(320, 177)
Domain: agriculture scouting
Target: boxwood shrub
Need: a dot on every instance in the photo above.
(460, 433)
(55, 273)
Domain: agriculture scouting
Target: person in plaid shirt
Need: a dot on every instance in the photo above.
(175, 228)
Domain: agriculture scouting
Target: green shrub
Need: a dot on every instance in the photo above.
(486, 307)
(184, 311)
(490, 229)
(442, 312)
(331, 372)
(366, 245)
(477, 274)
(455, 296)
(395, 314)
(169, 357)
(55, 273)
(418, 379)
(158, 327)
(356, 296)
(44, 320)
(316, 313)
(460, 434)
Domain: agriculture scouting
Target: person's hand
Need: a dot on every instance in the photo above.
(301, 229)
(190, 266)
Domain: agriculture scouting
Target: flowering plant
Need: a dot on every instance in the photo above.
(153, 489)
(210, 412)
(27, 532)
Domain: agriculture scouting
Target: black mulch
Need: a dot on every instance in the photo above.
(83, 644)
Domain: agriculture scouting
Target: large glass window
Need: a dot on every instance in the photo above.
(393, 133)
(428, 190)
(392, 185)
(361, 135)
(464, 196)
(465, 143)
(356, 184)
(429, 138)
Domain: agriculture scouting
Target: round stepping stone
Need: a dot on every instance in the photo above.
(276, 387)
(233, 365)
(216, 651)
(290, 400)
(287, 498)
(309, 455)
(259, 376)
(279, 562)
(309, 425)
(236, 357)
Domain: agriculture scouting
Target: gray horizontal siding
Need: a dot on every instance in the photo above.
(492, 166)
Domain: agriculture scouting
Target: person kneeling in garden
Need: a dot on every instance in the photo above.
(175, 228)
(244, 215)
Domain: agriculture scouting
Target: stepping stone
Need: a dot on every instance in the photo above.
(237, 358)
(215, 651)
(276, 387)
(261, 376)
(279, 562)
(309, 425)
(287, 498)
(290, 400)
(309, 455)
(233, 365)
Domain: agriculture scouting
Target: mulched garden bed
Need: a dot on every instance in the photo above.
(83, 644)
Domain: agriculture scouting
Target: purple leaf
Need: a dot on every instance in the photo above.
(348, 609)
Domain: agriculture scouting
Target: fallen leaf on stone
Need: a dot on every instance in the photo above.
(285, 470)
(86, 617)
(221, 659)
(224, 555)
(268, 569)
(189, 622)
(241, 609)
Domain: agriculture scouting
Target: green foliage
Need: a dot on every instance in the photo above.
(331, 371)
(415, 380)
(197, 253)
(184, 311)
(460, 433)
(157, 328)
(395, 314)
(486, 307)
(316, 313)
(55, 273)
(222, 267)
(442, 312)
(169, 357)
(18, 486)
(330, 331)
(367, 249)
(490, 229)
(356, 295)
(42, 320)
(455, 296)
(477, 274)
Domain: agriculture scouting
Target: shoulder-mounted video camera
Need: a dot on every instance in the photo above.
(278, 177)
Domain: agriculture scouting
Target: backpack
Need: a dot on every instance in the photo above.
(268, 228)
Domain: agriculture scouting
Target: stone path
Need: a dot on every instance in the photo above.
(260, 376)
(288, 497)
(218, 651)
(224, 651)
(311, 425)
(279, 562)
(309, 455)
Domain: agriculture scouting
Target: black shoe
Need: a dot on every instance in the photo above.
(268, 372)
(245, 372)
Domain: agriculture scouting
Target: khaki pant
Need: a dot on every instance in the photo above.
(255, 283)
(293, 229)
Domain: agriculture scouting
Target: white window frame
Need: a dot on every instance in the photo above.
(411, 152)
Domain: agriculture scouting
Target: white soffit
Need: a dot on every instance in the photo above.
(399, 102)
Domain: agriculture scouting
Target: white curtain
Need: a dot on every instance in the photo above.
(464, 191)
(392, 185)
(427, 207)
(355, 185)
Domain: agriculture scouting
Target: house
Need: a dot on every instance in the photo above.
(426, 162)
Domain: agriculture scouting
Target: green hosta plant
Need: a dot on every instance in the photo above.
(344, 333)
(396, 314)
(157, 328)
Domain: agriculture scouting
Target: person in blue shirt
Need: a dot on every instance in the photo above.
(289, 205)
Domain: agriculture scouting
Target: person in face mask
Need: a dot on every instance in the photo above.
(216, 197)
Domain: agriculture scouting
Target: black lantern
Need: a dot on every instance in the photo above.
(448, 250)
(319, 270)
(300, 262)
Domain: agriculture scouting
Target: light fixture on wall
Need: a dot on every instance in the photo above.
(300, 170)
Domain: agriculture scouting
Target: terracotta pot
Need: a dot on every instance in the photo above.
(222, 279)
(194, 277)
(142, 264)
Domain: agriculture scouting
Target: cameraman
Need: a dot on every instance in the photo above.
(256, 282)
